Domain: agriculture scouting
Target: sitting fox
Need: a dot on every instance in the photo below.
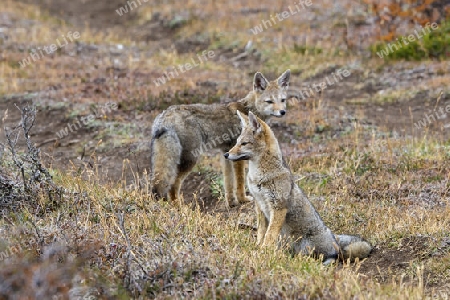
(283, 210)
(182, 132)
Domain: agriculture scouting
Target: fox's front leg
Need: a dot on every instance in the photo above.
(228, 181)
(239, 182)
(277, 219)
(262, 225)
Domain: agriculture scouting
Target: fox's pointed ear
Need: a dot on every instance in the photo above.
(283, 80)
(254, 122)
(243, 120)
(259, 82)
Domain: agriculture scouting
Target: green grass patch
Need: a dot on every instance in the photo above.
(433, 45)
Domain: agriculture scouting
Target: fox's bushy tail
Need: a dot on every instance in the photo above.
(165, 158)
(353, 247)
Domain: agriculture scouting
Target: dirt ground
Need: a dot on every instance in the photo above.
(339, 107)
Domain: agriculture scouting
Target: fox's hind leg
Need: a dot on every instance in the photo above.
(228, 182)
(184, 168)
(239, 182)
(174, 192)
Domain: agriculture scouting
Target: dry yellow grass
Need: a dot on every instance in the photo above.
(166, 250)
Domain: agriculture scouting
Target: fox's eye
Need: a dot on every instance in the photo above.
(283, 100)
(269, 101)
(244, 143)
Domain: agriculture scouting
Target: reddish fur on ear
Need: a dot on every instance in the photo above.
(259, 82)
(283, 80)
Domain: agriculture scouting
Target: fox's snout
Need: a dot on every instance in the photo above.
(236, 155)
(279, 113)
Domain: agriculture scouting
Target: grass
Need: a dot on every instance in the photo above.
(177, 251)
(125, 244)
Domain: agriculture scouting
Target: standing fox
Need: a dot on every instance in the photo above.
(282, 209)
(182, 132)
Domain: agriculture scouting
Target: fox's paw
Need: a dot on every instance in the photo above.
(246, 199)
(267, 246)
(329, 261)
(259, 241)
(232, 202)
(268, 243)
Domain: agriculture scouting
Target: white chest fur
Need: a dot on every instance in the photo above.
(260, 194)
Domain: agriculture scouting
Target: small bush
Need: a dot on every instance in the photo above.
(434, 45)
